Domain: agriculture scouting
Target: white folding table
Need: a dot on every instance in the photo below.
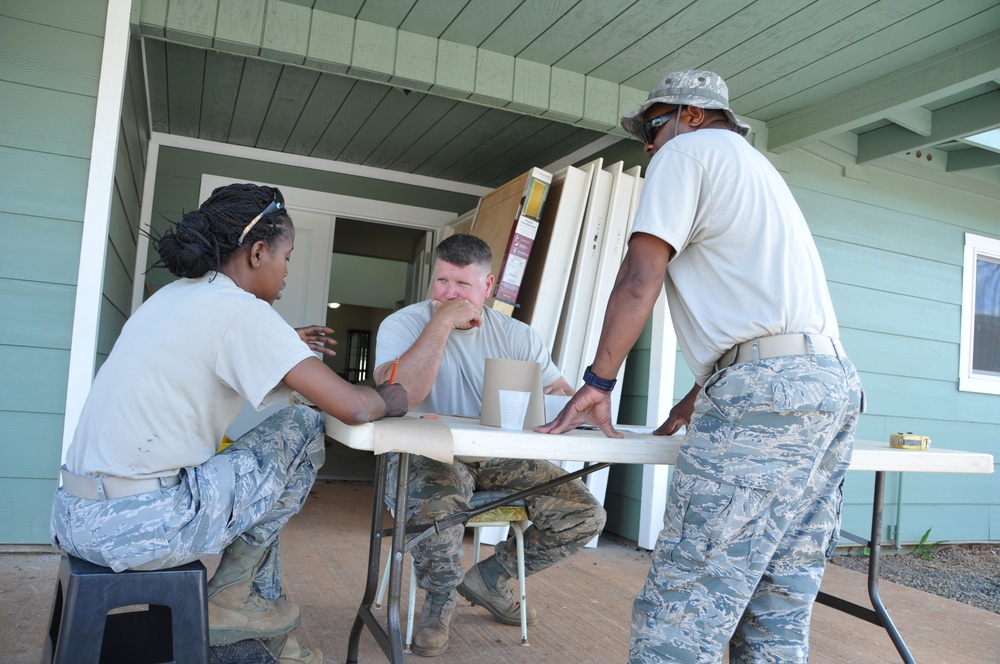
(471, 440)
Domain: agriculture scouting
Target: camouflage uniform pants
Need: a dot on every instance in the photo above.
(752, 515)
(563, 519)
(249, 490)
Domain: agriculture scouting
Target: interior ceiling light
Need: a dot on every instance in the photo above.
(333, 305)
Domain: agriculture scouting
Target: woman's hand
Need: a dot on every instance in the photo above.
(319, 338)
(395, 398)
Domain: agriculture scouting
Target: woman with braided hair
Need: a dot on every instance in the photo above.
(144, 485)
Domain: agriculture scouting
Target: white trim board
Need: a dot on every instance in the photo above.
(314, 163)
(97, 215)
(576, 305)
(619, 222)
(364, 209)
(976, 247)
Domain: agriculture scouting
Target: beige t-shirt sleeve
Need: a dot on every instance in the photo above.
(256, 352)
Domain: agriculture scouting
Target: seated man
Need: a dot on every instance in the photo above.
(442, 345)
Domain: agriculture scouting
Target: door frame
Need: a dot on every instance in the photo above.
(365, 209)
(362, 209)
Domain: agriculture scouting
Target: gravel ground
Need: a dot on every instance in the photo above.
(969, 573)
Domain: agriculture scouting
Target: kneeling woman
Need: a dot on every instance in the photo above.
(144, 486)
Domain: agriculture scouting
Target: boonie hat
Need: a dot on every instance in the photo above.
(704, 89)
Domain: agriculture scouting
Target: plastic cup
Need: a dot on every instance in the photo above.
(513, 408)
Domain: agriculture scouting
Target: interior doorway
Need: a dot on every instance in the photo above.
(375, 269)
(358, 351)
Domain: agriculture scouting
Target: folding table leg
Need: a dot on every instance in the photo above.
(389, 639)
(874, 548)
(880, 616)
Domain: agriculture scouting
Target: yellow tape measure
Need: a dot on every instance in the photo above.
(908, 441)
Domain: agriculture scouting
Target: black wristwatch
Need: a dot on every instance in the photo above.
(596, 381)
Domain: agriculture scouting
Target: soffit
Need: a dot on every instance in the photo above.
(325, 78)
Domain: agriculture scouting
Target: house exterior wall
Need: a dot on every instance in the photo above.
(46, 130)
(892, 243)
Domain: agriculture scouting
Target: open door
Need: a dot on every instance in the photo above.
(303, 301)
(423, 258)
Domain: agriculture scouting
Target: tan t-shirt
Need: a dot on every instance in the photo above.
(458, 389)
(179, 373)
(746, 265)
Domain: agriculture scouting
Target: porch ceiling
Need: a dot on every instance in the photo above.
(477, 91)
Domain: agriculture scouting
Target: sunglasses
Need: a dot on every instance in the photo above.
(277, 203)
(651, 128)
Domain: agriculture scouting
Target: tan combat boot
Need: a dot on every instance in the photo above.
(235, 611)
(486, 585)
(430, 635)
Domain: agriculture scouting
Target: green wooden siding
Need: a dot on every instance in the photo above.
(892, 249)
(623, 497)
(49, 71)
(25, 506)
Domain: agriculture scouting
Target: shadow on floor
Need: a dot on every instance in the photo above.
(584, 603)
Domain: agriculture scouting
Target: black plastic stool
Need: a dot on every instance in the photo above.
(173, 629)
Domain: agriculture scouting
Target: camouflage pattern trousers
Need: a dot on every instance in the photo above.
(752, 514)
(563, 518)
(248, 490)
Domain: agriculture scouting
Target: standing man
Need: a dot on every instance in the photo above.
(442, 345)
(754, 504)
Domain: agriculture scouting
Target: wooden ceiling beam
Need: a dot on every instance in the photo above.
(966, 118)
(962, 160)
(917, 120)
(945, 74)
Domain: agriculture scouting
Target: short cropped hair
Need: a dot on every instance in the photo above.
(463, 249)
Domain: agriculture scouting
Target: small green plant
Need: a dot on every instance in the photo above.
(923, 549)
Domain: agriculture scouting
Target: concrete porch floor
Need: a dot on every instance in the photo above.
(583, 604)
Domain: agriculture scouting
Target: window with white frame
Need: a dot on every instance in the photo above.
(980, 343)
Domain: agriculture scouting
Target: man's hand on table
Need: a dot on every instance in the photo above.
(395, 398)
(588, 406)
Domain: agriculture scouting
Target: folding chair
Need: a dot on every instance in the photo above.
(514, 515)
